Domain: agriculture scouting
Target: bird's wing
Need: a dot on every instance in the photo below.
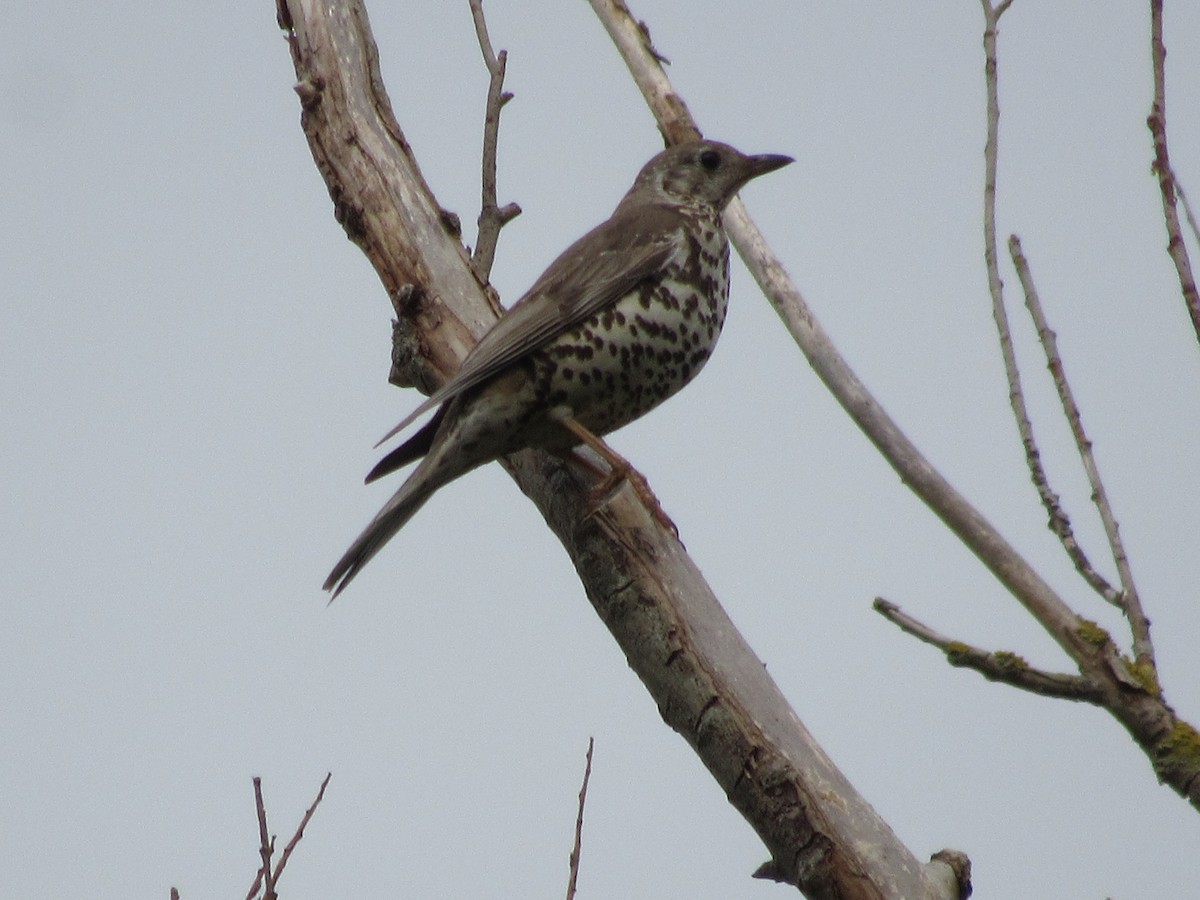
(595, 271)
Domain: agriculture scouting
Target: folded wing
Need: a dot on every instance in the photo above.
(594, 272)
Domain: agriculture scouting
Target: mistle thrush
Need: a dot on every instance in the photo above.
(623, 319)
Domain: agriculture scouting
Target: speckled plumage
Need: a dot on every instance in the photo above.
(623, 319)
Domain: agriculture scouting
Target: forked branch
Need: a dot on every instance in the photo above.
(267, 877)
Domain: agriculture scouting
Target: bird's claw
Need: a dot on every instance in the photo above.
(641, 487)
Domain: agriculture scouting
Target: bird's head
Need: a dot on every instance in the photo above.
(706, 173)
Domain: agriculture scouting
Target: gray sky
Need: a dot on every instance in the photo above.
(194, 371)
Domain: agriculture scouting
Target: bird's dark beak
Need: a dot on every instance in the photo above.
(764, 163)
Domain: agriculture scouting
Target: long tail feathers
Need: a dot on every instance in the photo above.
(421, 485)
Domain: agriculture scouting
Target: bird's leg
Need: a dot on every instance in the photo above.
(619, 469)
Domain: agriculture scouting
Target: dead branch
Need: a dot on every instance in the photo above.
(994, 665)
(1157, 123)
(1059, 522)
(576, 849)
(266, 846)
(265, 877)
(1127, 599)
(491, 217)
(308, 814)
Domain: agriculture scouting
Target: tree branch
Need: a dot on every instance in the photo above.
(1127, 599)
(266, 846)
(996, 665)
(1157, 123)
(265, 877)
(1059, 522)
(491, 217)
(577, 848)
(308, 814)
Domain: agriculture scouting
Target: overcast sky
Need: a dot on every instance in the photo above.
(194, 364)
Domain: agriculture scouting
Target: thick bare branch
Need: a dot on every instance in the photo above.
(1157, 123)
(994, 665)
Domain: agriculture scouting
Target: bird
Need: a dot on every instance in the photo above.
(623, 319)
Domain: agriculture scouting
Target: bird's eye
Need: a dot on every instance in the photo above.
(711, 160)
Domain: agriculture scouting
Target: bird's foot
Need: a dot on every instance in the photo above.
(623, 471)
(619, 470)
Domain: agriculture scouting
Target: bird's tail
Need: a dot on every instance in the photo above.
(440, 467)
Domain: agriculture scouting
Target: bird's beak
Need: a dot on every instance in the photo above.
(764, 163)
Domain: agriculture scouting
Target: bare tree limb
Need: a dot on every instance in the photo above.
(1127, 599)
(266, 846)
(1157, 123)
(491, 217)
(1059, 522)
(308, 814)
(995, 665)
(266, 878)
(576, 849)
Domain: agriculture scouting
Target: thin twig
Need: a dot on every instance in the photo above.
(1127, 598)
(1060, 522)
(291, 845)
(1157, 123)
(996, 665)
(491, 217)
(265, 877)
(266, 846)
(575, 852)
